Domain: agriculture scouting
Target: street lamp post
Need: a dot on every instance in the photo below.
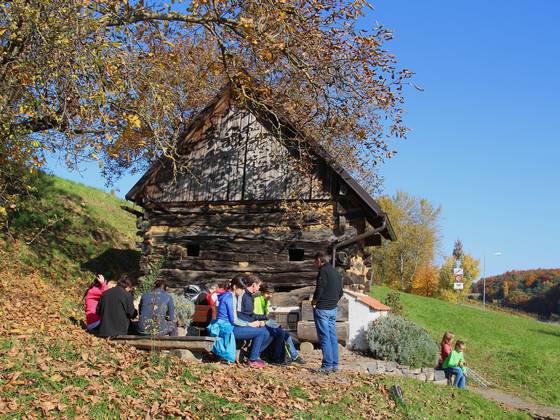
(497, 254)
(484, 282)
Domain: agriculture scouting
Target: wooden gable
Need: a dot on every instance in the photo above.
(232, 154)
(233, 157)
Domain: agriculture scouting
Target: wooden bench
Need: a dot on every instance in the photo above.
(203, 315)
(194, 344)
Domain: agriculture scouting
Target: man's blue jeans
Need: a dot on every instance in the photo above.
(325, 323)
(259, 336)
(459, 376)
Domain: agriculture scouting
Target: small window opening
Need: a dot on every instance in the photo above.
(193, 250)
(296, 254)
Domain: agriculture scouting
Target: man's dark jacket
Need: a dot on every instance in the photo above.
(115, 308)
(328, 290)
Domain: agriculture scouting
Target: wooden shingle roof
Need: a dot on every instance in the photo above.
(368, 300)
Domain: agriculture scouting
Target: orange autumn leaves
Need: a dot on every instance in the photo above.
(119, 81)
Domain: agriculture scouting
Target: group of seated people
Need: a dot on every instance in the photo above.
(110, 310)
(453, 361)
(243, 316)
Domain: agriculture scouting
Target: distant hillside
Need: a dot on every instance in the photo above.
(66, 229)
(518, 354)
(536, 291)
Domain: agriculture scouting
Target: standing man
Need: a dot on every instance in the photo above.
(328, 292)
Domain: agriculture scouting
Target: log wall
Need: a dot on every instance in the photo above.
(215, 243)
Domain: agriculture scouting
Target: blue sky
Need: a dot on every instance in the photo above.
(484, 142)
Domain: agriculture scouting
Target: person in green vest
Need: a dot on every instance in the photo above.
(261, 309)
(454, 364)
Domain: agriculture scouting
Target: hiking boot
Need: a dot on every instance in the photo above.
(257, 364)
(299, 360)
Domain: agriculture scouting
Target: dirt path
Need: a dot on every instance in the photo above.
(511, 401)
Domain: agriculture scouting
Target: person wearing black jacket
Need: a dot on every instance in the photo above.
(246, 312)
(116, 309)
(328, 292)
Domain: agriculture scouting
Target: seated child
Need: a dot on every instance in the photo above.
(91, 300)
(212, 294)
(445, 347)
(261, 309)
(454, 364)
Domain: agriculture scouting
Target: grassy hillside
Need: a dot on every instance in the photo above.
(49, 366)
(535, 291)
(68, 229)
(517, 354)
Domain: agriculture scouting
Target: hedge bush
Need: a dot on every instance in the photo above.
(393, 301)
(397, 339)
(184, 310)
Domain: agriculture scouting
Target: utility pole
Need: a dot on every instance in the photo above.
(484, 282)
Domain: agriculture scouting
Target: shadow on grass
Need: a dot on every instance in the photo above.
(114, 262)
(552, 333)
(60, 236)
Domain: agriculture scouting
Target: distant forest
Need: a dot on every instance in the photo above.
(536, 291)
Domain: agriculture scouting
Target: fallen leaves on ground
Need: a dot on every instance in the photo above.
(50, 366)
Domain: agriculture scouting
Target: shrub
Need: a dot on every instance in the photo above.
(393, 301)
(448, 295)
(397, 339)
(184, 310)
(147, 282)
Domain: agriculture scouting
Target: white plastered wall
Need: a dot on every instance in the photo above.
(359, 317)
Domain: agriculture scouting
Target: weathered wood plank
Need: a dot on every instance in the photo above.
(249, 220)
(167, 343)
(341, 313)
(179, 278)
(306, 331)
(166, 234)
(198, 264)
(237, 158)
(210, 248)
(234, 207)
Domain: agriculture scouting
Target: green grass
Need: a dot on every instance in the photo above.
(423, 400)
(297, 392)
(211, 405)
(68, 229)
(516, 354)
(101, 206)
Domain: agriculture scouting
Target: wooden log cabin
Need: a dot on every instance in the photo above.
(252, 195)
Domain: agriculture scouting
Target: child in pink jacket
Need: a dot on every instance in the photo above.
(91, 298)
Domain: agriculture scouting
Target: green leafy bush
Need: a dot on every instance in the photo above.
(147, 282)
(393, 301)
(400, 340)
(184, 310)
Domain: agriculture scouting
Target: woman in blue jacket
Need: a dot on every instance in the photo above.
(242, 330)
